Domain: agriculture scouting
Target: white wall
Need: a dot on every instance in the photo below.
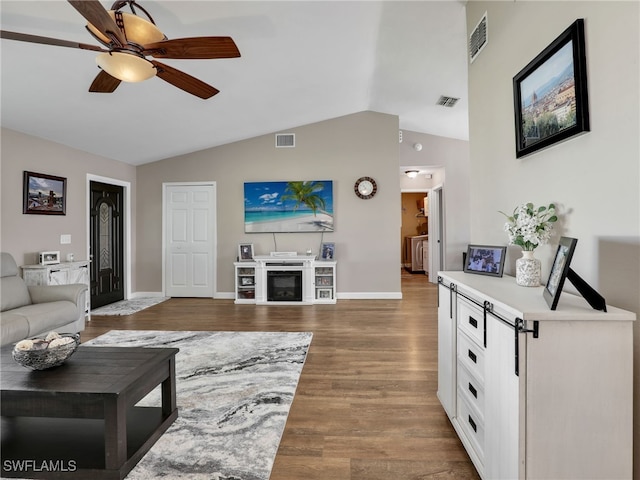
(593, 178)
(367, 232)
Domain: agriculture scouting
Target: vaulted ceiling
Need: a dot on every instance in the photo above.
(302, 62)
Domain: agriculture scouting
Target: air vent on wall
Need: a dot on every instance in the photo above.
(285, 140)
(478, 38)
(447, 101)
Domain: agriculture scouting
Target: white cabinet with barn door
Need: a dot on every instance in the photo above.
(539, 393)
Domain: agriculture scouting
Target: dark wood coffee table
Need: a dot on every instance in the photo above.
(80, 420)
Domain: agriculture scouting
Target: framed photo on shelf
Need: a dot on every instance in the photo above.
(559, 271)
(328, 251)
(245, 252)
(246, 281)
(485, 260)
(550, 94)
(325, 293)
(44, 194)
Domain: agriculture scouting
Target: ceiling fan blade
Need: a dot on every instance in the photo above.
(104, 83)
(184, 81)
(23, 37)
(193, 48)
(96, 15)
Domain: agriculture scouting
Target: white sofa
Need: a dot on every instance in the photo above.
(30, 311)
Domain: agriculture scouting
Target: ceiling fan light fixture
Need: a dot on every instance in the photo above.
(126, 66)
(137, 30)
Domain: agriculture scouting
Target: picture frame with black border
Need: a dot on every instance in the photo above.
(485, 260)
(245, 252)
(559, 271)
(44, 194)
(551, 99)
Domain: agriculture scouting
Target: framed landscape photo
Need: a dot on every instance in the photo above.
(485, 260)
(550, 94)
(559, 271)
(44, 194)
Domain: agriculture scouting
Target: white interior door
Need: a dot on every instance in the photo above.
(189, 239)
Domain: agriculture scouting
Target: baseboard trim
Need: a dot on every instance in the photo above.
(146, 294)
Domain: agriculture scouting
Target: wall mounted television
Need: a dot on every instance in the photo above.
(288, 207)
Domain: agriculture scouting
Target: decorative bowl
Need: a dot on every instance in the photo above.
(46, 354)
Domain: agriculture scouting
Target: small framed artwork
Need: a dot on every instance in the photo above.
(245, 252)
(48, 258)
(325, 293)
(559, 271)
(550, 93)
(485, 260)
(44, 194)
(328, 251)
(246, 281)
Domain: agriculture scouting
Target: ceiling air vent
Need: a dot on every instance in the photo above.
(447, 101)
(285, 140)
(478, 38)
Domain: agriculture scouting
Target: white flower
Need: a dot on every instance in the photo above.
(530, 226)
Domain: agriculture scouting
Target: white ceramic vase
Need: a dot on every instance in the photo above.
(528, 270)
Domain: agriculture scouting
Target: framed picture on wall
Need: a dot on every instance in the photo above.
(44, 194)
(245, 252)
(550, 94)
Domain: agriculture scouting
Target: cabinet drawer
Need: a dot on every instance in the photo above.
(473, 389)
(472, 425)
(471, 320)
(471, 355)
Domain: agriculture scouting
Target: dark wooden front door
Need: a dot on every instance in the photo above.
(107, 244)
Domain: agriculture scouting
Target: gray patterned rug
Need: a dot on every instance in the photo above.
(234, 391)
(128, 307)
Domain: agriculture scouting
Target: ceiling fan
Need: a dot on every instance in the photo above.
(129, 39)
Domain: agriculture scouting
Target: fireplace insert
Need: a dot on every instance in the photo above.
(284, 285)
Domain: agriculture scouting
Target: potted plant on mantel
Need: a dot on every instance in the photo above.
(529, 227)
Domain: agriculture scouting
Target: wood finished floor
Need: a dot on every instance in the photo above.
(366, 405)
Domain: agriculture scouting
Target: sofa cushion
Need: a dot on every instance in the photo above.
(43, 317)
(14, 293)
(13, 327)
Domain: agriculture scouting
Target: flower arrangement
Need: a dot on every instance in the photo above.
(530, 226)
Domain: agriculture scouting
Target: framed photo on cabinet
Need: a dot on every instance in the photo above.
(245, 252)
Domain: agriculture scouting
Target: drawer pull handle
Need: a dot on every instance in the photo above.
(473, 390)
(473, 424)
(472, 356)
(473, 322)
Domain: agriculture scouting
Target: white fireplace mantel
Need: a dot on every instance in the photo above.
(318, 278)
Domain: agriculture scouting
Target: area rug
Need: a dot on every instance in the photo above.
(234, 391)
(128, 307)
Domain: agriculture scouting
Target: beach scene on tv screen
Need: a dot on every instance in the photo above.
(296, 206)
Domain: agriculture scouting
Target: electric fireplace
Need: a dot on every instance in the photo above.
(284, 285)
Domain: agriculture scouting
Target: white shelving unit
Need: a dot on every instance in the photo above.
(324, 282)
(245, 282)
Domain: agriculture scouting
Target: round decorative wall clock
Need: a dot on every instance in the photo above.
(365, 187)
